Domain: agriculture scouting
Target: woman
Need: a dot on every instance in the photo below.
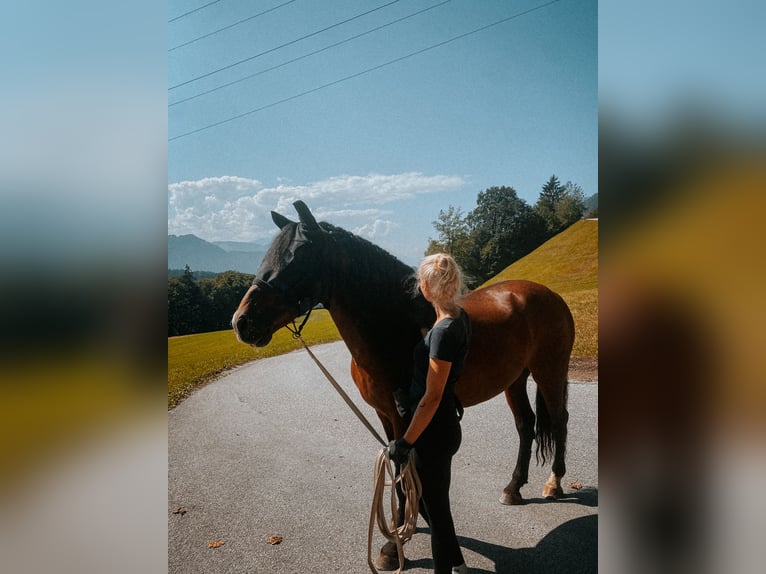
(434, 431)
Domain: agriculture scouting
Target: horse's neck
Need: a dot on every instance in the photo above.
(368, 307)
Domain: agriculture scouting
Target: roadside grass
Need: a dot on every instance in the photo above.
(567, 263)
(194, 360)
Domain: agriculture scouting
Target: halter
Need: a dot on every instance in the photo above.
(305, 306)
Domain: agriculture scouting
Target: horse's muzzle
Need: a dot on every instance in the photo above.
(248, 332)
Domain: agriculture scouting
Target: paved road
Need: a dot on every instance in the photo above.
(271, 449)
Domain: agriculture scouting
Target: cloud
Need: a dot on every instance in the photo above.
(376, 230)
(236, 208)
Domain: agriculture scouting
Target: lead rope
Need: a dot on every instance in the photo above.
(383, 476)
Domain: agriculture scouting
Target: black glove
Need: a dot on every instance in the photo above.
(402, 400)
(399, 450)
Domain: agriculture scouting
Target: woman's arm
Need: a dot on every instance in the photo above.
(438, 371)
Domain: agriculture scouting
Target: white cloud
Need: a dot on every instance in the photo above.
(376, 230)
(236, 208)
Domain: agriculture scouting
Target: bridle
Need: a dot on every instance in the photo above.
(305, 306)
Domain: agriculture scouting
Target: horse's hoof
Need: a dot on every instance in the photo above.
(388, 559)
(552, 492)
(511, 498)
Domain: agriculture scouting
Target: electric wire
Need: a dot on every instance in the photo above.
(303, 57)
(362, 73)
(192, 11)
(237, 23)
(282, 45)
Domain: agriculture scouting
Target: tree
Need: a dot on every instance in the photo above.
(549, 198)
(185, 305)
(453, 234)
(203, 305)
(503, 228)
(571, 206)
(451, 227)
(226, 292)
(560, 205)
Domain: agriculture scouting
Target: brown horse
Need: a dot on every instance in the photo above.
(519, 327)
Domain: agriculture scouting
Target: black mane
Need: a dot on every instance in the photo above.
(371, 264)
(377, 283)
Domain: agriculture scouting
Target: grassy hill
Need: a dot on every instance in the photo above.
(568, 264)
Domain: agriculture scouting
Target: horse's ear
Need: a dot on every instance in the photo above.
(279, 219)
(305, 215)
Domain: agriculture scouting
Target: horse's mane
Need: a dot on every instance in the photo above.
(373, 265)
(381, 288)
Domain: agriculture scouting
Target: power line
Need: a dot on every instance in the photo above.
(237, 23)
(282, 45)
(363, 72)
(336, 44)
(193, 11)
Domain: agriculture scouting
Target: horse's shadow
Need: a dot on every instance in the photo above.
(587, 496)
(571, 548)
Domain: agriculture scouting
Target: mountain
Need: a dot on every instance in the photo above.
(201, 255)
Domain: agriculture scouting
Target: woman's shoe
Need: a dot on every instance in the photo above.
(462, 569)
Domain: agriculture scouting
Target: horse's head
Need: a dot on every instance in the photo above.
(287, 283)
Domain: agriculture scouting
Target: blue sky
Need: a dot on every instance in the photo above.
(381, 153)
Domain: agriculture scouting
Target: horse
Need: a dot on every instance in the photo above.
(519, 328)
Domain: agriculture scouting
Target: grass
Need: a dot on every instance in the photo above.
(194, 360)
(568, 264)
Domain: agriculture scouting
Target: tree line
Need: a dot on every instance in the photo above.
(203, 305)
(503, 228)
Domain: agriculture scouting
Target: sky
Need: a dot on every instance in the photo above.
(380, 132)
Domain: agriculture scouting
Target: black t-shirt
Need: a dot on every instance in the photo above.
(447, 340)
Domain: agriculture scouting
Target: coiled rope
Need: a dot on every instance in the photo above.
(409, 482)
(384, 476)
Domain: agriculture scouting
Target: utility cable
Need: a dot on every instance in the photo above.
(363, 72)
(315, 52)
(237, 23)
(192, 11)
(282, 45)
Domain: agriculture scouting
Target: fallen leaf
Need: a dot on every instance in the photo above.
(274, 540)
(575, 485)
(215, 544)
(180, 510)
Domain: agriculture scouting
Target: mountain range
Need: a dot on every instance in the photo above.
(218, 256)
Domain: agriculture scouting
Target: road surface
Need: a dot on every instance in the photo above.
(270, 449)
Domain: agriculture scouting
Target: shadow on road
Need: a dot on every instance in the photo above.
(586, 497)
(571, 548)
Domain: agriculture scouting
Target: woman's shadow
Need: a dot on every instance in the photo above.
(571, 548)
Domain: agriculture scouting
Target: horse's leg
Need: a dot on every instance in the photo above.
(552, 400)
(524, 417)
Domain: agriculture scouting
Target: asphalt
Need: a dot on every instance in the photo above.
(270, 449)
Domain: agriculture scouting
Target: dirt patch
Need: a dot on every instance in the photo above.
(583, 369)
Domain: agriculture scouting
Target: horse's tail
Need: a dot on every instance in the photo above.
(544, 434)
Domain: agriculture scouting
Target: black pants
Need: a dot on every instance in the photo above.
(433, 459)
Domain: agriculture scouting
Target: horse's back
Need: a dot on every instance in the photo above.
(516, 325)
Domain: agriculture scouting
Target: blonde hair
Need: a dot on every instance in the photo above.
(443, 276)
